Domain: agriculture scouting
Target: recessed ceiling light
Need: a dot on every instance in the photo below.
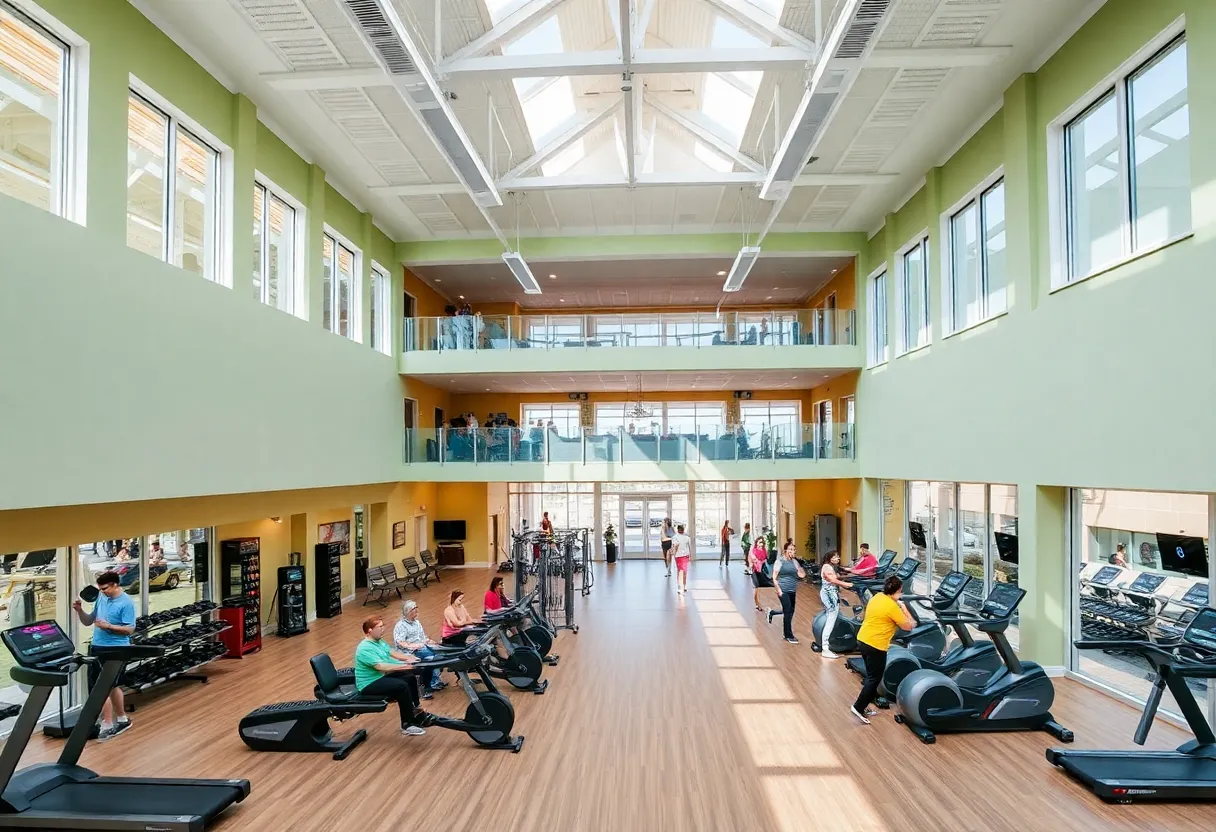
(437, 280)
(721, 274)
(774, 288)
(461, 297)
(833, 271)
(561, 300)
(553, 277)
(770, 297)
(487, 389)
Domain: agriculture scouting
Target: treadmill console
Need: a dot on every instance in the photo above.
(1002, 600)
(953, 585)
(884, 562)
(38, 644)
(1196, 596)
(1202, 630)
(1147, 583)
(1106, 575)
(907, 568)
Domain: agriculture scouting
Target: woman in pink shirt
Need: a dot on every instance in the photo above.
(758, 560)
(456, 620)
(495, 598)
(866, 565)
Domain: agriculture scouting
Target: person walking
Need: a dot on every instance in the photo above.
(757, 558)
(745, 543)
(789, 573)
(681, 551)
(884, 614)
(829, 595)
(665, 536)
(727, 531)
(113, 620)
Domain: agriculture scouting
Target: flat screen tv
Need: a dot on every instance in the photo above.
(917, 532)
(449, 530)
(1181, 553)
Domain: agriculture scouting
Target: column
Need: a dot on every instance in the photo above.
(870, 522)
(937, 253)
(314, 273)
(889, 246)
(244, 162)
(377, 534)
(1044, 573)
(106, 195)
(366, 241)
(1024, 193)
(692, 516)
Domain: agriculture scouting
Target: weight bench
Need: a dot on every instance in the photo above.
(304, 726)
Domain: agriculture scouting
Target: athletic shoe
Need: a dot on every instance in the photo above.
(853, 711)
(426, 694)
(871, 711)
(413, 731)
(828, 654)
(771, 613)
(114, 731)
(792, 640)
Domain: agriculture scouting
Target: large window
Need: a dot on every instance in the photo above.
(274, 249)
(563, 417)
(766, 423)
(914, 297)
(696, 418)
(339, 288)
(381, 284)
(665, 418)
(877, 313)
(173, 201)
(33, 113)
(1126, 165)
(977, 258)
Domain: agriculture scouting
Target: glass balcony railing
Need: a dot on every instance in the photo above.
(799, 327)
(505, 445)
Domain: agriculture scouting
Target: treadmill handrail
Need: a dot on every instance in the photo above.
(38, 676)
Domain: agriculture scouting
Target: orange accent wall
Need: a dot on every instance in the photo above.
(837, 390)
(430, 303)
(844, 284)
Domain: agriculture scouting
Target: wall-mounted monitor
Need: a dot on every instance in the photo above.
(1182, 553)
(449, 530)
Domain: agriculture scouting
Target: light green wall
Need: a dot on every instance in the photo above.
(1106, 383)
(281, 164)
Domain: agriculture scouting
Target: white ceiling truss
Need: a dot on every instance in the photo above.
(476, 118)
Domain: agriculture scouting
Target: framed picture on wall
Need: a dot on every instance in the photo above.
(398, 535)
(336, 532)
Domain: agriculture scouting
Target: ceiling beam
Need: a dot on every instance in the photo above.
(518, 23)
(633, 95)
(642, 22)
(936, 58)
(327, 79)
(701, 132)
(681, 180)
(643, 62)
(567, 138)
(440, 189)
(753, 18)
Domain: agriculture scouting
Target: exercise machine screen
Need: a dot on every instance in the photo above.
(1202, 630)
(952, 582)
(1105, 575)
(1002, 600)
(1146, 583)
(38, 643)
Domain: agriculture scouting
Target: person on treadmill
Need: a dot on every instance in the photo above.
(884, 614)
(382, 672)
(113, 620)
(866, 565)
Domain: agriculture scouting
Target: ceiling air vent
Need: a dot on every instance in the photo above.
(380, 35)
(798, 143)
(864, 21)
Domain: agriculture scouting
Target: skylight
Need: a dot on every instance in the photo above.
(722, 100)
(773, 7)
(711, 158)
(501, 8)
(565, 160)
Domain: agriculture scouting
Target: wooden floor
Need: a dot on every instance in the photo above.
(664, 714)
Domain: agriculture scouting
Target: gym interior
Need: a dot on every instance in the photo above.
(408, 296)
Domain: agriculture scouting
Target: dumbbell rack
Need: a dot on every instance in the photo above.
(186, 672)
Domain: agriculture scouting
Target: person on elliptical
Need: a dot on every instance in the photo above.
(665, 537)
(757, 559)
(681, 551)
(409, 637)
(383, 673)
(113, 620)
(456, 620)
(829, 595)
(789, 572)
(867, 564)
(884, 614)
(495, 598)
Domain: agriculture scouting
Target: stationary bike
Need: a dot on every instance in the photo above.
(968, 663)
(1017, 697)
(520, 661)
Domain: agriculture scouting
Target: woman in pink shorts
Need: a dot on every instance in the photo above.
(757, 558)
(681, 548)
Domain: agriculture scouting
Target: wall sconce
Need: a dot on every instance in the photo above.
(277, 519)
(422, 509)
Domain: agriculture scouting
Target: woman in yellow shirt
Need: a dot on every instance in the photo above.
(884, 615)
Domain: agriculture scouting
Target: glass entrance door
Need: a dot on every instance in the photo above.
(643, 521)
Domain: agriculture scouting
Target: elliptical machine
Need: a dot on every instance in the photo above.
(1017, 697)
(968, 663)
(521, 661)
(844, 639)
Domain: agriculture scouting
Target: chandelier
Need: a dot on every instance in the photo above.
(639, 410)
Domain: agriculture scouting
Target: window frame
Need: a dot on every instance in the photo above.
(1059, 174)
(921, 241)
(876, 314)
(381, 295)
(356, 289)
(177, 121)
(66, 196)
(299, 245)
(974, 197)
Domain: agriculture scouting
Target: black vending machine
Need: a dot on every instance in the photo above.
(329, 579)
(291, 613)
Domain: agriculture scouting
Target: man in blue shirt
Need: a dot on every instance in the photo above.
(113, 620)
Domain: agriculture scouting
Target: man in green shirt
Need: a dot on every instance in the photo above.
(746, 543)
(383, 673)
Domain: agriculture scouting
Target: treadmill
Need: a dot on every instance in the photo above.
(1188, 773)
(65, 795)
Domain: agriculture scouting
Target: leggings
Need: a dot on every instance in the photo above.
(788, 600)
(400, 689)
(831, 606)
(876, 665)
(725, 557)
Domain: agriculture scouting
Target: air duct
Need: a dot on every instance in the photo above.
(742, 267)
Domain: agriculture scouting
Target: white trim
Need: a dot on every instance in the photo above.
(1057, 179)
(355, 320)
(384, 325)
(346, 599)
(947, 271)
(273, 126)
(1066, 34)
(976, 126)
(976, 324)
(916, 188)
(921, 238)
(873, 360)
(1123, 261)
(299, 254)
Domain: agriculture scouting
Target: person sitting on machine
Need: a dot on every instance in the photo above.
(866, 565)
(382, 672)
(884, 615)
(113, 620)
(495, 598)
(409, 637)
(456, 620)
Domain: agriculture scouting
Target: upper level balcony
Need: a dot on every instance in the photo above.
(732, 452)
(667, 341)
